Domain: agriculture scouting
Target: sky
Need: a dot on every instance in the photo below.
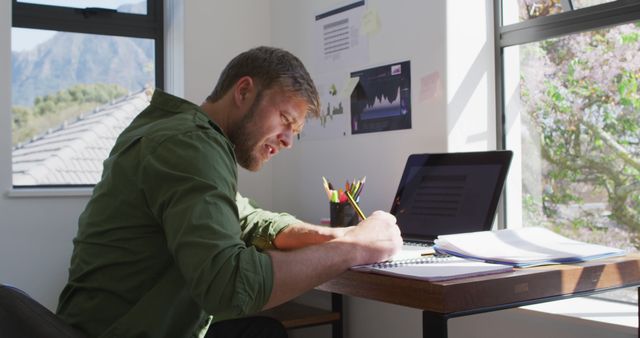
(23, 39)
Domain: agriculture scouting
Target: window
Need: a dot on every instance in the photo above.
(122, 6)
(570, 109)
(79, 76)
(530, 9)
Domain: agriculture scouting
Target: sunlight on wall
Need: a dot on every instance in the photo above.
(470, 91)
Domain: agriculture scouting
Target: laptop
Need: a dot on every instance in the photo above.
(447, 193)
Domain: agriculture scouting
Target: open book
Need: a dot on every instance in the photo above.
(434, 268)
(522, 247)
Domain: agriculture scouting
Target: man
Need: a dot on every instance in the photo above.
(166, 243)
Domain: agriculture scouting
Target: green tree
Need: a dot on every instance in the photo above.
(51, 110)
(585, 106)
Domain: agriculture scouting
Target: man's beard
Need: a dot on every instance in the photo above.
(245, 140)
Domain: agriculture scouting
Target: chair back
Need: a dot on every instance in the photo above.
(23, 317)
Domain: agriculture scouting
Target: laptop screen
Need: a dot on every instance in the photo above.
(449, 193)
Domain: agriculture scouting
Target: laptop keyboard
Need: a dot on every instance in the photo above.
(420, 244)
(412, 245)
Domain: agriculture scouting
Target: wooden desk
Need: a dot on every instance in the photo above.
(443, 300)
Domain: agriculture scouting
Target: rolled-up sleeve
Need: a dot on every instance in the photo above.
(260, 227)
(190, 186)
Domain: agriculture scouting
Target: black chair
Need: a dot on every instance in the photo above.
(22, 317)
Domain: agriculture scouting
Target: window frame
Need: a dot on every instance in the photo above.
(99, 21)
(542, 28)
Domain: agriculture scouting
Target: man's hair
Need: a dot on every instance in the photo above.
(268, 67)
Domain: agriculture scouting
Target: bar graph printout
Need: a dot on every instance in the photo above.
(340, 42)
(381, 101)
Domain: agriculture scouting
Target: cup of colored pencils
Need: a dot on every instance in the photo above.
(343, 203)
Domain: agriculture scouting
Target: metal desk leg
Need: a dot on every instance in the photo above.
(434, 325)
(336, 306)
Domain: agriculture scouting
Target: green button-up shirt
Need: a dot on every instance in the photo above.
(166, 241)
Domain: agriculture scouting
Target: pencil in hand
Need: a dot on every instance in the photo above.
(355, 205)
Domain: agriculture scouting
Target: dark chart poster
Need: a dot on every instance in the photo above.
(381, 101)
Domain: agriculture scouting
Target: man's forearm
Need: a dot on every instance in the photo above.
(300, 270)
(295, 271)
(303, 234)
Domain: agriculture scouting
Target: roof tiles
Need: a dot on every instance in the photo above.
(73, 153)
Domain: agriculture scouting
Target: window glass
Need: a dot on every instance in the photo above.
(577, 4)
(577, 116)
(523, 10)
(122, 6)
(72, 94)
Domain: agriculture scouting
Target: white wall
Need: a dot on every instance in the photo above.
(215, 32)
(471, 122)
(378, 156)
(35, 232)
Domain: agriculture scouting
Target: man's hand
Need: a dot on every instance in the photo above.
(375, 239)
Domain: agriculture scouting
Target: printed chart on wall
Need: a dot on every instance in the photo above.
(334, 108)
(381, 101)
(340, 42)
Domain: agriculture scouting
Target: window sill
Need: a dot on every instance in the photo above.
(49, 192)
(610, 313)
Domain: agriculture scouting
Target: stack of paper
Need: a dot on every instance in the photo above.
(522, 247)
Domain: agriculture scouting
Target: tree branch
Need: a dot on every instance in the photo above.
(620, 151)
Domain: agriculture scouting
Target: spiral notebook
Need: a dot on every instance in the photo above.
(434, 268)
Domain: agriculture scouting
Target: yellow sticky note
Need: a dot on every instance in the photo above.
(349, 86)
(370, 21)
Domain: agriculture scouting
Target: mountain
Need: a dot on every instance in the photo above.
(71, 58)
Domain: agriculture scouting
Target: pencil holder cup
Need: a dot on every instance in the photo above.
(342, 214)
